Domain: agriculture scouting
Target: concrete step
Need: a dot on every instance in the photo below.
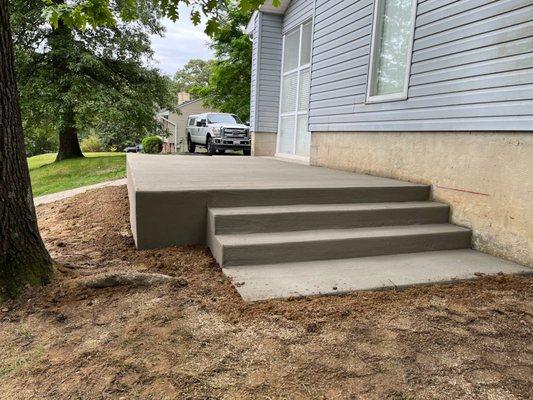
(262, 282)
(228, 197)
(278, 247)
(323, 216)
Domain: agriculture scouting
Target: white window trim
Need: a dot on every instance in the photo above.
(297, 112)
(378, 9)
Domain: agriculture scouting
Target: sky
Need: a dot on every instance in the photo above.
(182, 41)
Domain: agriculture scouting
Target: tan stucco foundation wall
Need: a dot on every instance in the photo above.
(263, 143)
(485, 177)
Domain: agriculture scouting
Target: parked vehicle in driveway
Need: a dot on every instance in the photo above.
(217, 132)
(136, 148)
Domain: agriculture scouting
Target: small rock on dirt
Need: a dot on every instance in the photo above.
(61, 318)
(179, 283)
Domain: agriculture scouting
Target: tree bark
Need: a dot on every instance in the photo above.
(23, 256)
(69, 146)
(62, 49)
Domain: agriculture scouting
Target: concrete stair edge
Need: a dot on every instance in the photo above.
(325, 244)
(329, 216)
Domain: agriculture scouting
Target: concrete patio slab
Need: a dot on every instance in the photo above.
(169, 195)
(262, 282)
(182, 173)
(281, 229)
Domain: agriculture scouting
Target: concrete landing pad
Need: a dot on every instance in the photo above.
(262, 282)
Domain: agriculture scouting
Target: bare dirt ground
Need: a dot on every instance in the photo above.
(195, 338)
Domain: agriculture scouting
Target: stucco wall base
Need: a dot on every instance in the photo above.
(263, 143)
(486, 177)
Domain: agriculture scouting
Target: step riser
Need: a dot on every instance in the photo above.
(334, 249)
(276, 197)
(297, 221)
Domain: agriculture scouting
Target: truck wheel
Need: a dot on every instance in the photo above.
(190, 145)
(211, 149)
(221, 151)
(246, 152)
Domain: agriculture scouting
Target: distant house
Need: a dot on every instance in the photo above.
(176, 123)
(430, 91)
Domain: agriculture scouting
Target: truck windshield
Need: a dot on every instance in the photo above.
(223, 118)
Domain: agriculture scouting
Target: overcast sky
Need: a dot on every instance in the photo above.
(182, 41)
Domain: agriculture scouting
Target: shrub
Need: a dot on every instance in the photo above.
(40, 139)
(91, 144)
(152, 144)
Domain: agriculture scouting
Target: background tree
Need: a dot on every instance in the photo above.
(40, 139)
(23, 256)
(79, 80)
(229, 83)
(193, 74)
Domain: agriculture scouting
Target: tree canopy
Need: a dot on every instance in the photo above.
(229, 83)
(94, 79)
(194, 74)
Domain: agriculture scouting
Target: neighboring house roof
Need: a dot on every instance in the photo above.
(165, 113)
(186, 103)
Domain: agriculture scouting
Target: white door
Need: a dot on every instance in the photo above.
(293, 136)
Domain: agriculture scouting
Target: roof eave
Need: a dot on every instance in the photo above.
(267, 7)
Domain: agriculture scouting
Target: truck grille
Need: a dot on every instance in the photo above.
(234, 132)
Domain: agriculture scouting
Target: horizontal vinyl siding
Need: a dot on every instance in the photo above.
(268, 81)
(298, 11)
(472, 68)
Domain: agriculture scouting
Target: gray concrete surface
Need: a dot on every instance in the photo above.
(282, 229)
(272, 247)
(262, 282)
(169, 196)
(180, 173)
(50, 198)
(325, 216)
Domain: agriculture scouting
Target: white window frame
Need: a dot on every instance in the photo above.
(378, 11)
(296, 113)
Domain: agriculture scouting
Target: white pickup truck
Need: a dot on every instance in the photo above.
(217, 132)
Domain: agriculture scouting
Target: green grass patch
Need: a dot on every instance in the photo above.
(48, 176)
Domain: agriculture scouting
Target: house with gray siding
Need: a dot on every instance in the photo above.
(429, 91)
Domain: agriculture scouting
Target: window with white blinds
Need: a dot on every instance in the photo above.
(293, 136)
(392, 42)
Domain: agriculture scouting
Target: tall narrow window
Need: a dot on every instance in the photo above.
(392, 43)
(293, 136)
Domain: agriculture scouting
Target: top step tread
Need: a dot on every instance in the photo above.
(336, 234)
(255, 210)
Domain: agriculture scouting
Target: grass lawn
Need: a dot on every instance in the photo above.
(48, 176)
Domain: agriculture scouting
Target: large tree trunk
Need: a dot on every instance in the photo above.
(62, 49)
(69, 146)
(23, 257)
